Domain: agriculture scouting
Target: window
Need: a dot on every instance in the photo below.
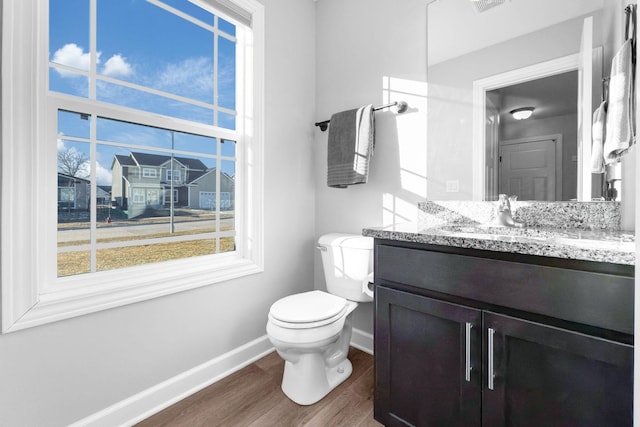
(175, 174)
(122, 104)
(138, 195)
(67, 196)
(167, 196)
(149, 172)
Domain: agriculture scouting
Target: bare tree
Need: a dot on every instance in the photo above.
(73, 163)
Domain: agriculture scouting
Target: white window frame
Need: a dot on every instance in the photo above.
(154, 195)
(30, 296)
(149, 173)
(138, 195)
(174, 174)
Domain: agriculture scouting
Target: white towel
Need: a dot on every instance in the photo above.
(620, 132)
(597, 138)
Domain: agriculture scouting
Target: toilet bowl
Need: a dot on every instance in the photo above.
(311, 331)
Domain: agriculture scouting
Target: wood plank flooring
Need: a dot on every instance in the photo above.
(252, 397)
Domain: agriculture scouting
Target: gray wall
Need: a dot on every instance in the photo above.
(370, 51)
(56, 374)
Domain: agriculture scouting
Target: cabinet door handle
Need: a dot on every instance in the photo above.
(490, 373)
(467, 365)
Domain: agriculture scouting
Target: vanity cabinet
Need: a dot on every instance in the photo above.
(425, 356)
(476, 338)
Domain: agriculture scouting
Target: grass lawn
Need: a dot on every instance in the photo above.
(70, 263)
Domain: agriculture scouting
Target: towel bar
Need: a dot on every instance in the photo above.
(401, 107)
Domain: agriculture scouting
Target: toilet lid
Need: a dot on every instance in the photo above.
(307, 307)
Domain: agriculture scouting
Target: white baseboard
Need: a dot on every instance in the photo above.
(362, 340)
(154, 399)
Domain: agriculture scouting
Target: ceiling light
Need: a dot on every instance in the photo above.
(522, 113)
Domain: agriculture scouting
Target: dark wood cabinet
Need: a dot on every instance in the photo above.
(538, 375)
(444, 359)
(428, 361)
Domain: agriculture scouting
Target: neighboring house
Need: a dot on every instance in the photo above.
(103, 194)
(202, 191)
(73, 192)
(142, 181)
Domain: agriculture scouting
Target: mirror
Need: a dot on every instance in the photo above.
(488, 58)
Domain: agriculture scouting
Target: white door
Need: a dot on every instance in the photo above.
(207, 200)
(528, 170)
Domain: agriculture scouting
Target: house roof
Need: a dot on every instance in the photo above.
(123, 160)
(147, 159)
(68, 178)
(196, 168)
(197, 175)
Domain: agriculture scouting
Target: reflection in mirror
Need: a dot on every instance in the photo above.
(533, 157)
(521, 53)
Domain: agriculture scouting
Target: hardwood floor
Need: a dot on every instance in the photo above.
(252, 397)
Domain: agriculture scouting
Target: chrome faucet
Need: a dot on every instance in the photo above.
(503, 214)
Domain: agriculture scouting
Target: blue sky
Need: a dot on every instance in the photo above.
(140, 43)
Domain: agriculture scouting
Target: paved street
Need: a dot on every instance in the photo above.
(116, 230)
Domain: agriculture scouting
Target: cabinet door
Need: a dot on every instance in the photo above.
(428, 361)
(538, 375)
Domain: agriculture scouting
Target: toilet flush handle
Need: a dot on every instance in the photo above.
(321, 248)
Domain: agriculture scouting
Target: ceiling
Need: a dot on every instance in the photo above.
(550, 96)
(455, 27)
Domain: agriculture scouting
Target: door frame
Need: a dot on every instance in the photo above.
(482, 86)
(557, 138)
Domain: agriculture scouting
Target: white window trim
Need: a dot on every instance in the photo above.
(174, 174)
(149, 173)
(28, 239)
(138, 195)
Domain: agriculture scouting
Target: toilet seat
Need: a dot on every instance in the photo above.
(307, 310)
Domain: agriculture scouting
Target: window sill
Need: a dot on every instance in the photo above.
(144, 283)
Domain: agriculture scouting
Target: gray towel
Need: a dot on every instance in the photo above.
(350, 147)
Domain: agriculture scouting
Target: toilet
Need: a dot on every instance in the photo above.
(311, 331)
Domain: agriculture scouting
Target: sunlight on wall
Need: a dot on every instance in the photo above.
(450, 149)
(396, 210)
(412, 149)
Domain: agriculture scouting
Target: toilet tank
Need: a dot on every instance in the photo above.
(347, 261)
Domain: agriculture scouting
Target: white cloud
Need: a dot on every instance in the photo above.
(74, 56)
(103, 175)
(116, 66)
(192, 77)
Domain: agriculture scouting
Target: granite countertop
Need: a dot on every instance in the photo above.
(454, 224)
(602, 246)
